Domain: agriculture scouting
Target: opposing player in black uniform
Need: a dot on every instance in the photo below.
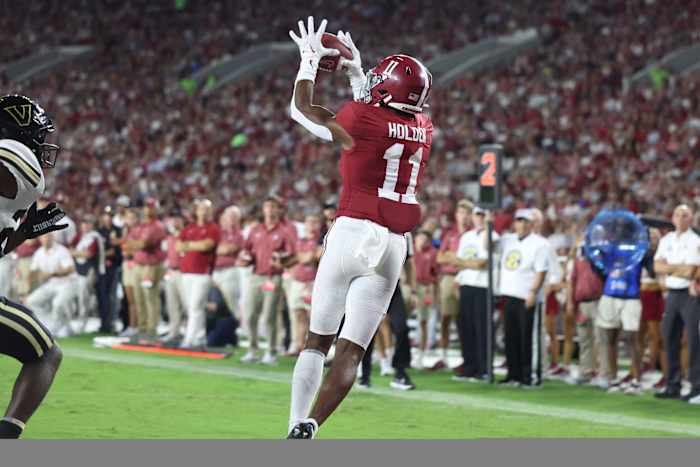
(23, 153)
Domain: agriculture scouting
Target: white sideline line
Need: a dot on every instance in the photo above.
(461, 400)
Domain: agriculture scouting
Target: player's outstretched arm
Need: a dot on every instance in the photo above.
(316, 119)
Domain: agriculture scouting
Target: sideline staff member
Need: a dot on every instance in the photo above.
(678, 257)
(472, 259)
(524, 262)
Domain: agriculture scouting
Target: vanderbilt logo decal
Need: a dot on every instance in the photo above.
(21, 113)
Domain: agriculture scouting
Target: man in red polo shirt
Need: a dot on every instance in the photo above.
(148, 271)
(197, 247)
(227, 275)
(302, 281)
(269, 247)
(449, 292)
(425, 261)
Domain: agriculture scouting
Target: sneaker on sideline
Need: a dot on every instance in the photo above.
(249, 357)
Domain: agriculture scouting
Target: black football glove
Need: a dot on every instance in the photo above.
(42, 221)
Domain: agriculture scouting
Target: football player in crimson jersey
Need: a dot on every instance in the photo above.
(385, 140)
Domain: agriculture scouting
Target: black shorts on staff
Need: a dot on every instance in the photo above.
(22, 336)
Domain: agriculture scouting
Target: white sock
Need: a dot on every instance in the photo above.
(305, 384)
(444, 354)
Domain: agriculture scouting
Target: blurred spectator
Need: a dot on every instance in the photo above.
(268, 245)
(584, 289)
(472, 321)
(197, 247)
(53, 267)
(651, 296)
(23, 283)
(426, 266)
(128, 242)
(8, 263)
(174, 304)
(524, 263)
(221, 324)
(447, 287)
(329, 210)
(308, 254)
(227, 275)
(547, 301)
(678, 257)
(89, 263)
(107, 282)
(148, 269)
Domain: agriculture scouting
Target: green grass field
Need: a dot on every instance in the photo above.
(125, 395)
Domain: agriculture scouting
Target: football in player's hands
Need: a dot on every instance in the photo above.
(330, 63)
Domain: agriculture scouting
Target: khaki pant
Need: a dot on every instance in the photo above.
(589, 341)
(263, 302)
(296, 294)
(228, 281)
(449, 296)
(422, 310)
(147, 296)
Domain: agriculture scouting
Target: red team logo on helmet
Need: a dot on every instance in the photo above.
(400, 82)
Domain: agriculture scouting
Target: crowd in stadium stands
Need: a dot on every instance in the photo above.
(135, 140)
(128, 125)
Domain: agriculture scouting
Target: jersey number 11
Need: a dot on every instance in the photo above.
(391, 177)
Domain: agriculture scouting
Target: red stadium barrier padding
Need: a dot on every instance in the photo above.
(169, 351)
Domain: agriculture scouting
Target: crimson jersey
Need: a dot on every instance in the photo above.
(382, 172)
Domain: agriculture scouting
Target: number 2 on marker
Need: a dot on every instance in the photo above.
(488, 173)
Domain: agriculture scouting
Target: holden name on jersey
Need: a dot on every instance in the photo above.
(407, 133)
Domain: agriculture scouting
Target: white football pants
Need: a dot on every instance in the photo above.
(357, 275)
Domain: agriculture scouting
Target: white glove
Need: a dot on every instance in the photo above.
(310, 48)
(353, 68)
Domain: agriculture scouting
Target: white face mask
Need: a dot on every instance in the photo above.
(372, 80)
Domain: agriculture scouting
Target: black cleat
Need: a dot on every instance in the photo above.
(668, 394)
(303, 430)
(509, 382)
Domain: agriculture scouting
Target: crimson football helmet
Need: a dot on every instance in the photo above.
(400, 82)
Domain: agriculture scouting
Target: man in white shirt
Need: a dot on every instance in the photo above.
(55, 270)
(678, 257)
(472, 319)
(523, 265)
